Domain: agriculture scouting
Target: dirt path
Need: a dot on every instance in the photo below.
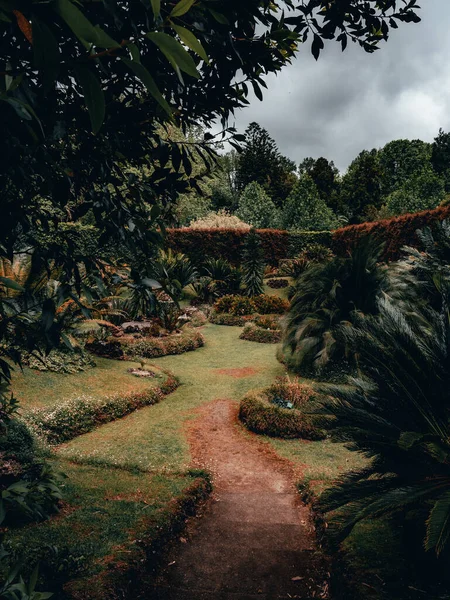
(255, 539)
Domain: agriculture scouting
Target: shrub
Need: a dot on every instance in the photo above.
(81, 415)
(223, 278)
(268, 322)
(253, 265)
(219, 220)
(253, 333)
(231, 320)
(330, 295)
(262, 415)
(224, 304)
(59, 361)
(154, 347)
(106, 348)
(242, 306)
(277, 284)
(267, 305)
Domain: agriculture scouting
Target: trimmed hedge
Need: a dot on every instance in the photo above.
(228, 243)
(253, 333)
(262, 416)
(395, 233)
(83, 414)
(231, 320)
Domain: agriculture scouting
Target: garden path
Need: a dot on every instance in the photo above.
(255, 538)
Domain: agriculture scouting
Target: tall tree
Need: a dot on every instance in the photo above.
(261, 162)
(400, 160)
(326, 177)
(305, 209)
(440, 157)
(256, 208)
(361, 186)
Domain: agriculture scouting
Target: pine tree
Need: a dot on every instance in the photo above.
(253, 265)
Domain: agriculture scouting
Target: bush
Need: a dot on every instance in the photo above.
(268, 305)
(277, 284)
(59, 361)
(106, 348)
(81, 415)
(154, 347)
(268, 322)
(224, 304)
(219, 220)
(235, 305)
(231, 320)
(278, 411)
(253, 333)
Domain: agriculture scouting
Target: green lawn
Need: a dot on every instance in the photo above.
(153, 438)
(43, 389)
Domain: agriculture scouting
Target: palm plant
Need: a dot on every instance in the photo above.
(174, 271)
(328, 295)
(397, 414)
(253, 265)
(223, 277)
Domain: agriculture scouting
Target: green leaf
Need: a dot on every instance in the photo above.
(46, 52)
(174, 52)
(219, 17)
(93, 96)
(156, 7)
(181, 8)
(188, 38)
(11, 284)
(134, 51)
(82, 27)
(141, 72)
(438, 525)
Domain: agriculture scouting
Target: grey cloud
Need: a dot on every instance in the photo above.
(349, 101)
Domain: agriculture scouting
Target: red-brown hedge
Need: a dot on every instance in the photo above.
(395, 233)
(226, 243)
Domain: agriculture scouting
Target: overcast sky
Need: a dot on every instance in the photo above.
(350, 101)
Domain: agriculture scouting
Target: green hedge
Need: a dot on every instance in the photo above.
(81, 415)
(153, 347)
(253, 333)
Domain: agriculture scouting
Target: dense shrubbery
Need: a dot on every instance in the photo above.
(219, 220)
(231, 320)
(281, 411)
(269, 305)
(81, 415)
(242, 305)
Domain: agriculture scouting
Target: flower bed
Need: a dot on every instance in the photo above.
(281, 411)
(253, 333)
(130, 347)
(231, 320)
(81, 415)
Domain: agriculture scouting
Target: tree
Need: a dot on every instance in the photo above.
(425, 190)
(253, 265)
(440, 157)
(256, 208)
(361, 185)
(305, 209)
(325, 175)
(224, 194)
(400, 160)
(261, 162)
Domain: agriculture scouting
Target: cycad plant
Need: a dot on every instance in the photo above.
(328, 295)
(397, 414)
(253, 265)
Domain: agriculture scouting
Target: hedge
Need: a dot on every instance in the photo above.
(154, 347)
(228, 243)
(279, 244)
(395, 233)
(253, 333)
(84, 413)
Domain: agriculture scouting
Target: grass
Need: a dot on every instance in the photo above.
(153, 438)
(44, 389)
(105, 512)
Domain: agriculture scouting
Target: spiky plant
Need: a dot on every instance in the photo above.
(328, 295)
(397, 414)
(174, 271)
(253, 265)
(223, 277)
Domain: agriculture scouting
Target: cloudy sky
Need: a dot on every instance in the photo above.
(350, 101)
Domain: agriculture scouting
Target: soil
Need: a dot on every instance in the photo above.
(238, 373)
(255, 538)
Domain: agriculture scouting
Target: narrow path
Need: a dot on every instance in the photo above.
(255, 539)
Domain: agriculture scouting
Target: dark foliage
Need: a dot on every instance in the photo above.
(253, 265)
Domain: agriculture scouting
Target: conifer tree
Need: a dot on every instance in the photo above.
(253, 265)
